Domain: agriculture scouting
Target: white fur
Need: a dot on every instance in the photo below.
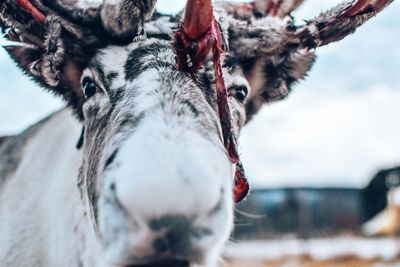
(171, 163)
(42, 212)
(172, 175)
(85, 4)
(40, 204)
(166, 167)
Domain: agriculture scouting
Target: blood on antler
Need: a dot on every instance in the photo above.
(36, 14)
(198, 18)
(251, 34)
(361, 7)
(272, 52)
(338, 23)
(198, 35)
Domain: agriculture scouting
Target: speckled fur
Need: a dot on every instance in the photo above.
(146, 124)
(12, 150)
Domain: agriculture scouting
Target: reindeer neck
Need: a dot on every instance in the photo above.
(38, 180)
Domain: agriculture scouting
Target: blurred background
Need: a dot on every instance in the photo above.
(323, 163)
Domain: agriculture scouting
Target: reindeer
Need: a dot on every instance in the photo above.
(156, 117)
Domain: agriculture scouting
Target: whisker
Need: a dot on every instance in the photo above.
(249, 215)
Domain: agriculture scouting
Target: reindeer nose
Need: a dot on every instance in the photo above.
(176, 231)
(176, 234)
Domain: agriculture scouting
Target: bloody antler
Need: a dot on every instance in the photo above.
(339, 22)
(36, 14)
(360, 7)
(198, 18)
(198, 35)
(280, 8)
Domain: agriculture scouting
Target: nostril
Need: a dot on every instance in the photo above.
(160, 246)
(179, 240)
(177, 231)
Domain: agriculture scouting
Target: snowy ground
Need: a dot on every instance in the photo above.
(332, 252)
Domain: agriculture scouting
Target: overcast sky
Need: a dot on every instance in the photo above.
(336, 129)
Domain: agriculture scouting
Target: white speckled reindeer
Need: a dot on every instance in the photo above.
(151, 181)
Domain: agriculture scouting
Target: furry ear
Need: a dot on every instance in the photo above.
(53, 41)
(39, 50)
(274, 53)
(272, 78)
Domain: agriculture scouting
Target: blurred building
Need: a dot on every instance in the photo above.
(321, 212)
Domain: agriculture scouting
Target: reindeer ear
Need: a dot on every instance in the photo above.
(63, 81)
(39, 47)
(54, 40)
(274, 53)
(272, 78)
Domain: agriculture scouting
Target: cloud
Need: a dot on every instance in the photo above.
(324, 138)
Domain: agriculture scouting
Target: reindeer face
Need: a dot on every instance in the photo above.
(156, 172)
(156, 178)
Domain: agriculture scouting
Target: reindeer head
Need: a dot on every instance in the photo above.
(156, 172)
(157, 176)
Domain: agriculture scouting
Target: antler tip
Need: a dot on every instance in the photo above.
(198, 18)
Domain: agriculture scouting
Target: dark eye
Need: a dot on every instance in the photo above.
(240, 93)
(89, 87)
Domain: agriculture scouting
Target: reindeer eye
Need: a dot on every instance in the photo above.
(240, 93)
(89, 87)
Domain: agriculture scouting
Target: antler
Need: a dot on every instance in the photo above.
(260, 8)
(37, 15)
(199, 34)
(252, 37)
(198, 18)
(339, 22)
(364, 6)
(278, 8)
(197, 29)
